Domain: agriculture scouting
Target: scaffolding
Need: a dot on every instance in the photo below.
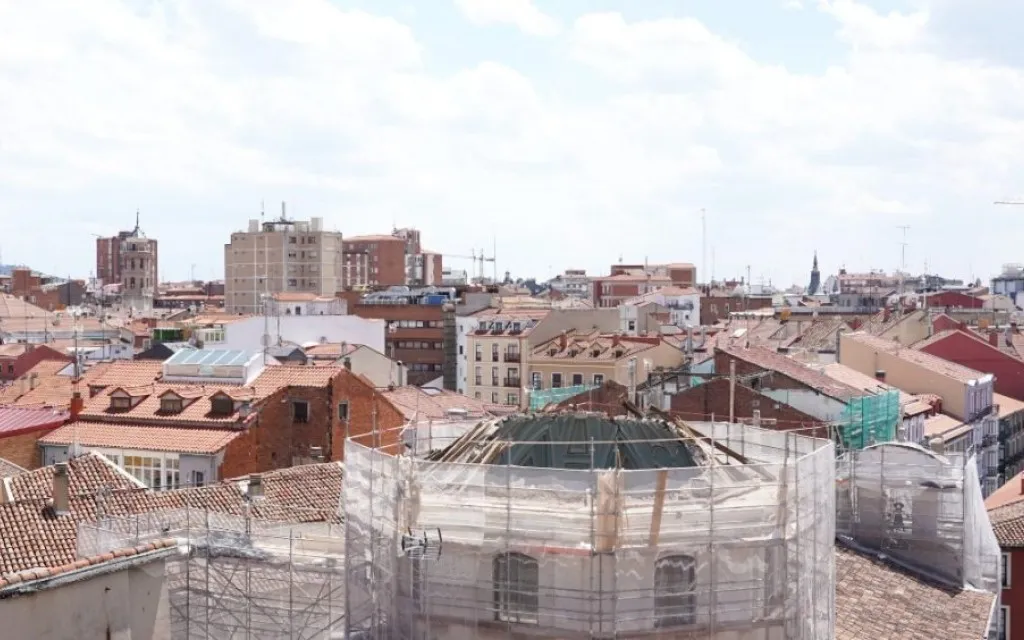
(238, 576)
(736, 548)
(870, 419)
(540, 398)
(919, 508)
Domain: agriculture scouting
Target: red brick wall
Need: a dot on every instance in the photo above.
(969, 352)
(274, 440)
(436, 268)
(21, 449)
(954, 299)
(702, 402)
(1013, 596)
(433, 356)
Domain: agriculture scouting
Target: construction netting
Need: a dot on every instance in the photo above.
(540, 398)
(870, 419)
(722, 550)
(919, 508)
(239, 577)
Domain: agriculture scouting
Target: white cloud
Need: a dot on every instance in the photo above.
(520, 13)
(199, 109)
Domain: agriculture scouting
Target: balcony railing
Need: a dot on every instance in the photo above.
(512, 382)
(495, 357)
(512, 356)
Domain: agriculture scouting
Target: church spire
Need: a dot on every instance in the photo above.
(815, 267)
(815, 283)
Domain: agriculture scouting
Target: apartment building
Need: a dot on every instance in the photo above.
(498, 349)
(280, 256)
(591, 358)
(131, 260)
(626, 281)
(573, 283)
(965, 394)
(389, 260)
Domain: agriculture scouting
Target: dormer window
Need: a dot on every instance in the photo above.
(120, 403)
(171, 403)
(222, 405)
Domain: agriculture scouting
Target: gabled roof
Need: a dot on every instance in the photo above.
(435, 404)
(195, 440)
(922, 359)
(772, 361)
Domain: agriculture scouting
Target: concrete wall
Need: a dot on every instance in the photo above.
(247, 334)
(464, 325)
(904, 375)
(380, 369)
(130, 604)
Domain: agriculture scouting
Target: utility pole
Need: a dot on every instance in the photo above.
(732, 391)
(903, 262)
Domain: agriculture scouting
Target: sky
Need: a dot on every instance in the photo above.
(560, 133)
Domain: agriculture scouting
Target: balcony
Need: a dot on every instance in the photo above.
(512, 356)
(495, 357)
(512, 382)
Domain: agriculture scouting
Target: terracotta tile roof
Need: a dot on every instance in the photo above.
(15, 420)
(821, 334)
(18, 579)
(12, 350)
(1011, 491)
(8, 468)
(877, 600)
(593, 346)
(770, 360)
(88, 474)
(331, 350)
(51, 389)
(33, 536)
(924, 360)
(143, 379)
(1007, 405)
(945, 426)
(149, 437)
(526, 317)
(413, 401)
(858, 380)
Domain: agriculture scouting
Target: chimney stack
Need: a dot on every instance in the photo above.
(563, 341)
(993, 338)
(77, 404)
(347, 362)
(880, 375)
(61, 489)
(255, 488)
(615, 339)
(32, 378)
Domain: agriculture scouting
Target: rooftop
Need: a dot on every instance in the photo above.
(435, 404)
(817, 380)
(17, 420)
(864, 382)
(924, 360)
(556, 441)
(879, 600)
(593, 346)
(138, 436)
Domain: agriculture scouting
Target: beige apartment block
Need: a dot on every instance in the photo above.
(593, 358)
(280, 256)
(498, 370)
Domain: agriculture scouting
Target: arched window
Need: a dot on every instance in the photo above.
(516, 579)
(675, 593)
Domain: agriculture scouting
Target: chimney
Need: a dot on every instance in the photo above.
(23, 384)
(993, 338)
(255, 488)
(880, 375)
(77, 404)
(563, 340)
(61, 489)
(32, 378)
(615, 339)
(962, 326)
(886, 314)
(347, 363)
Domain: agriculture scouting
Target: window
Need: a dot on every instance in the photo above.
(494, 353)
(300, 411)
(535, 380)
(631, 325)
(577, 379)
(476, 394)
(516, 583)
(598, 379)
(171, 404)
(513, 399)
(170, 473)
(222, 405)
(343, 410)
(1004, 571)
(479, 352)
(145, 469)
(120, 402)
(494, 377)
(479, 375)
(556, 381)
(675, 598)
(1004, 623)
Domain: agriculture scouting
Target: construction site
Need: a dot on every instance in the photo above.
(570, 525)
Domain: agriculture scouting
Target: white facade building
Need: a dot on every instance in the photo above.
(247, 334)
(464, 326)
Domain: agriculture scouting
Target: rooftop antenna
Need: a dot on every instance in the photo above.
(903, 260)
(263, 211)
(703, 243)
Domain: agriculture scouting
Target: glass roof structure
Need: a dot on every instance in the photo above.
(211, 357)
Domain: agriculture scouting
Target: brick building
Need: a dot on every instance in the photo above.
(179, 423)
(17, 359)
(717, 305)
(45, 292)
(710, 401)
(389, 260)
(415, 336)
(20, 430)
(627, 281)
(1006, 513)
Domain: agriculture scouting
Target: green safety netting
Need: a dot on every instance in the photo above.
(870, 420)
(540, 398)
